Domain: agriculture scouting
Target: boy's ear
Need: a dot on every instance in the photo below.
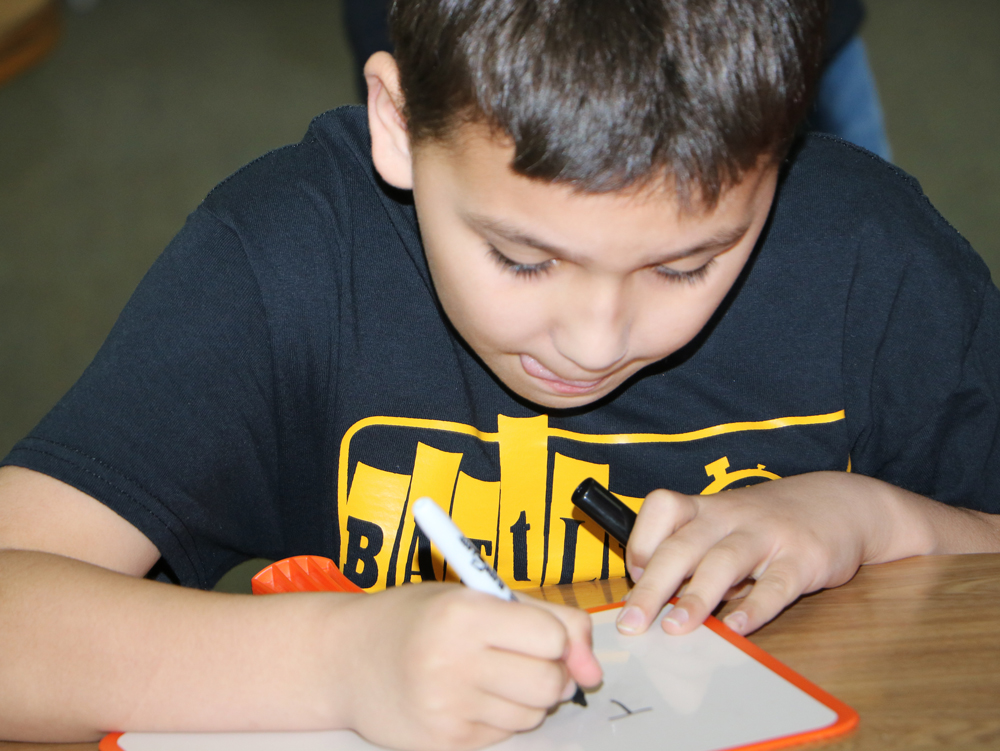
(390, 137)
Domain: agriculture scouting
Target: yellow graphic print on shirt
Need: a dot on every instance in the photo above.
(382, 547)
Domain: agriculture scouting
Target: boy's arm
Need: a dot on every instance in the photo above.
(779, 540)
(90, 647)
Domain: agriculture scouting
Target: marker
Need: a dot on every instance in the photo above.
(463, 557)
(597, 501)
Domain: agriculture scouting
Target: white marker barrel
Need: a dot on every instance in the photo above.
(460, 553)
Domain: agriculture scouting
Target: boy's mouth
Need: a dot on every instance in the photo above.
(560, 385)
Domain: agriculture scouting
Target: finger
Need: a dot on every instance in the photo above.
(674, 561)
(662, 513)
(522, 680)
(468, 734)
(579, 655)
(777, 588)
(508, 716)
(533, 631)
(726, 563)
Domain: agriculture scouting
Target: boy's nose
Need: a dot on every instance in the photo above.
(592, 331)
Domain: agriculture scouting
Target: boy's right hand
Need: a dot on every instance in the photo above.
(442, 667)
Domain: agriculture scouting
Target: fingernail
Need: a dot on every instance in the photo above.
(677, 616)
(631, 620)
(736, 621)
(636, 573)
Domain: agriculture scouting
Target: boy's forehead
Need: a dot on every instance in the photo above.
(474, 166)
(476, 147)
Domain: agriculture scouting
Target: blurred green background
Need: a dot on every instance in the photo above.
(144, 106)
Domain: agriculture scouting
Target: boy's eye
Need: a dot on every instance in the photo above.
(520, 269)
(691, 277)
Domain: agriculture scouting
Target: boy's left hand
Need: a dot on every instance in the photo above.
(777, 540)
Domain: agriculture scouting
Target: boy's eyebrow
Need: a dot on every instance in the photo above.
(516, 236)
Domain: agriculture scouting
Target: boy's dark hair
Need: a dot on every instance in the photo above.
(609, 94)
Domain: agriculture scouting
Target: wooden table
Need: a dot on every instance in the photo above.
(913, 646)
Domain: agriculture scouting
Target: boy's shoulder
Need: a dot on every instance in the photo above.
(841, 202)
(825, 173)
(325, 180)
(336, 141)
(318, 202)
(828, 179)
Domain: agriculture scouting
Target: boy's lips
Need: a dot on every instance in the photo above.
(560, 385)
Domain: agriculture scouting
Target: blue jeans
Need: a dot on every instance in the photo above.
(847, 103)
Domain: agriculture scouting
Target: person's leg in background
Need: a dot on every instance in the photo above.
(847, 104)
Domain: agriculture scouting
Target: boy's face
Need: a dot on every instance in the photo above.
(565, 295)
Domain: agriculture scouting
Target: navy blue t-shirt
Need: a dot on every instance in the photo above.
(283, 381)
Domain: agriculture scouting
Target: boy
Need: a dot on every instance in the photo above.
(617, 274)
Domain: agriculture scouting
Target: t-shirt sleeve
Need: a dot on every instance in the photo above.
(922, 364)
(173, 424)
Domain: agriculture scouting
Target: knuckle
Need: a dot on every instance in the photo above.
(695, 601)
(657, 515)
(560, 645)
(660, 507)
(646, 597)
(725, 555)
(675, 548)
(519, 717)
(636, 555)
(779, 583)
(532, 719)
(460, 735)
(808, 557)
(642, 591)
(579, 623)
(658, 497)
(455, 610)
(509, 718)
(641, 546)
(552, 637)
(552, 683)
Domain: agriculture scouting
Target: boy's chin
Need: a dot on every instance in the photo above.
(552, 400)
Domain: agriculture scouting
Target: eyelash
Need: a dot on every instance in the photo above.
(532, 270)
(522, 270)
(690, 277)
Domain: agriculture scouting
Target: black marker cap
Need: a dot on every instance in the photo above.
(605, 509)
